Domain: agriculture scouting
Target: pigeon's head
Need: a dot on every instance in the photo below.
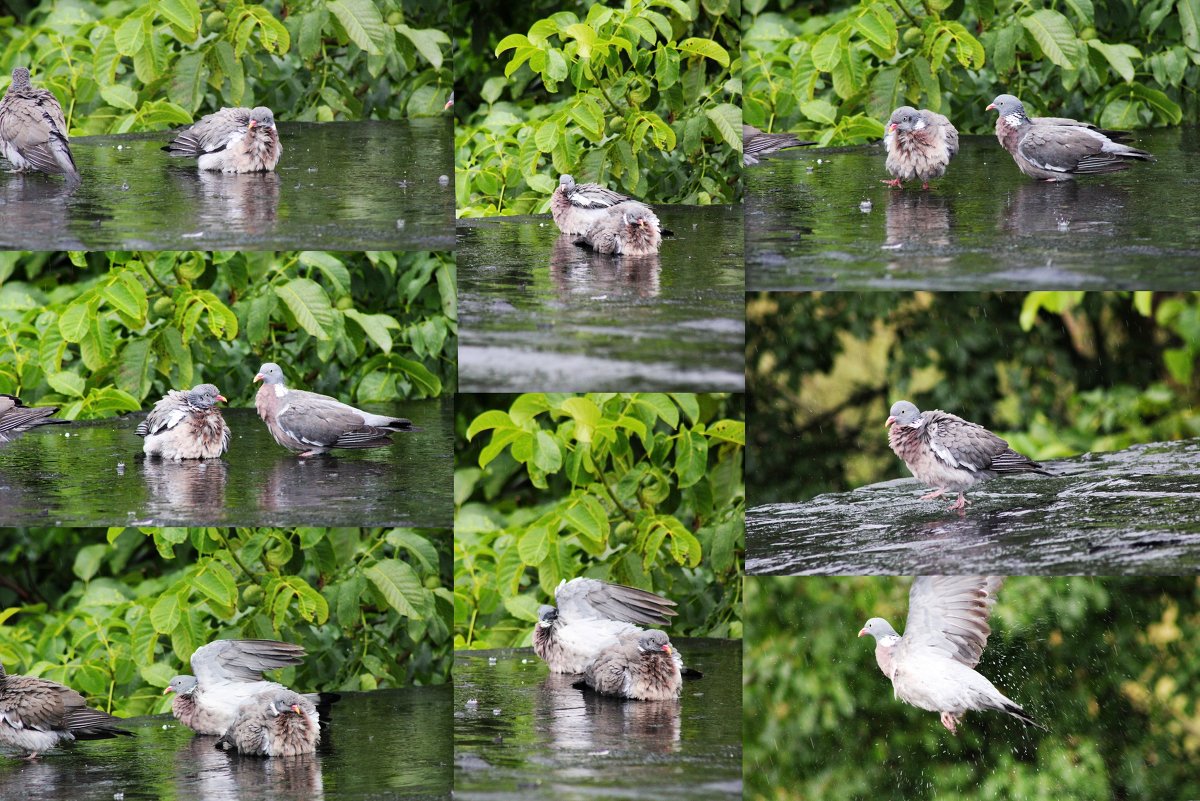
(636, 218)
(878, 628)
(903, 413)
(906, 118)
(205, 396)
(262, 117)
(269, 373)
(283, 702)
(654, 640)
(183, 685)
(20, 78)
(546, 616)
(567, 183)
(1006, 106)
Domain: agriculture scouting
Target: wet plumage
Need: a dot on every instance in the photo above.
(643, 667)
(919, 145)
(186, 425)
(33, 131)
(627, 229)
(275, 723)
(36, 715)
(232, 140)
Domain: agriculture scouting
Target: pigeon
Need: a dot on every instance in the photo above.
(576, 208)
(274, 723)
(309, 424)
(231, 140)
(932, 666)
(186, 425)
(228, 673)
(643, 667)
(626, 229)
(1054, 151)
(919, 145)
(591, 616)
(33, 131)
(948, 453)
(756, 143)
(36, 714)
(16, 417)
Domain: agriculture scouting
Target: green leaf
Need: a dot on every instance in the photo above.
(216, 582)
(67, 383)
(534, 545)
(309, 305)
(547, 455)
(827, 51)
(427, 41)
(183, 14)
(76, 320)
(87, 561)
(691, 457)
(375, 326)
(877, 26)
(130, 36)
(331, 267)
(1118, 57)
(137, 362)
(493, 418)
(1158, 101)
(362, 22)
(584, 514)
(1054, 34)
(399, 585)
(707, 48)
(165, 614)
(727, 119)
(120, 96)
(819, 110)
(1189, 22)
(127, 295)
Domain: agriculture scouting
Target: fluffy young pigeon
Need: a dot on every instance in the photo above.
(576, 208)
(33, 131)
(186, 425)
(626, 229)
(643, 667)
(16, 417)
(932, 666)
(1056, 150)
(231, 140)
(274, 723)
(36, 714)
(950, 454)
(593, 615)
(919, 145)
(756, 144)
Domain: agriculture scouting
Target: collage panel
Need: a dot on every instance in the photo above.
(598, 595)
(1026, 688)
(180, 658)
(1026, 433)
(292, 388)
(600, 238)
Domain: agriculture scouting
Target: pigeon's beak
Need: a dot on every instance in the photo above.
(990, 107)
(892, 126)
(258, 377)
(888, 424)
(168, 690)
(862, 632)
(667, 648)
(252, 124)
(296, 708)
(223, 399)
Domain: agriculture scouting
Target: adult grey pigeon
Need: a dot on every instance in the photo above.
(948, 453)
(274, 723)
(626, 229)
(593, 615)
(36, 714)
(643, 667)
(919, 145)
(1057, 151)
(186, 425)
(231, 140)
(33, 131)
(576, 208)
(309, 423)
(228, 673)
(756, 143)
(16, 417)
(932, 666)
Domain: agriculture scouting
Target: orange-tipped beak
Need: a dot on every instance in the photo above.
(252, 124)
(889, 422)
(258, 377)
(296, 708)
(667, 648)
(168, 690)
(862, 633)
(892, 126)
(990, 107)
(223, 399)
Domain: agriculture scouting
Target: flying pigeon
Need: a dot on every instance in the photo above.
(919, 145)
(228, 673)
(644, 667)
(186, 425)
(626, 229)
(932, 666)
(756, 143)
(16, 417)
(36, 714)
(231, 140)
(948, 453)
(33, 131)
(309, 423)
(274, 723)
(1057, 151)
(576, 208)
(593, 615)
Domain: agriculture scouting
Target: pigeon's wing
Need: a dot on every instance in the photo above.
(242, 660)
(590, 599)
(1069, 149)
(949, 615)
(594, 196)
(949, 132)
(960, 443)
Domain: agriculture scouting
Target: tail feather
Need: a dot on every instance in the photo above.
(1021, 715)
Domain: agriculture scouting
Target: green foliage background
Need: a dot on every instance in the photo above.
(1055, 373)
(642, 96)
(1109, 665)
(117, 614)
(639, 489)
(835, 70)
(104, 333)
(137, 65)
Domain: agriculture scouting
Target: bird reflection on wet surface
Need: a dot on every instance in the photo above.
(390, 744)
(520, 728)
(983, 225)
(94, 474)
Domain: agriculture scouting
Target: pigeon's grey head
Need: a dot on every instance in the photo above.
(878, 628)
(20, 78)
(546, 616)
(654, 640)
(906, 118)
(1006, 105)
(262, 117)
(269, 373)
(567, 183)
(903, 413)
(205, 396)
(284, 701)
(183, 685)
(636, 218)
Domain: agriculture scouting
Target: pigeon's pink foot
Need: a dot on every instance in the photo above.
(925, 185)
(935, 494)
(307, 454)
(960, 503)
(31, 757)
(894, 183)
(950, 721)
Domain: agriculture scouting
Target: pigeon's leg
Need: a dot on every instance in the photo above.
(307, 454)
(960, 503)
(31, 756)
(894, 183)
(937, 493)
(925, 185)
(950, 721)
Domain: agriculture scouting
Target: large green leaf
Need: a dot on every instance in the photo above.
(1054, 34)
(309, 304)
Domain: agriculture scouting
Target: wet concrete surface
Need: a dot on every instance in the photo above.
(984, 225)
(538, 312)
(521, 732)
(338, 186)
(1134, 512)
(387, 744)
(94, 473)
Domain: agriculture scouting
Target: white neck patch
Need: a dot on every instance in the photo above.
(280, 390)
(920, 124)
(1013, 120)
